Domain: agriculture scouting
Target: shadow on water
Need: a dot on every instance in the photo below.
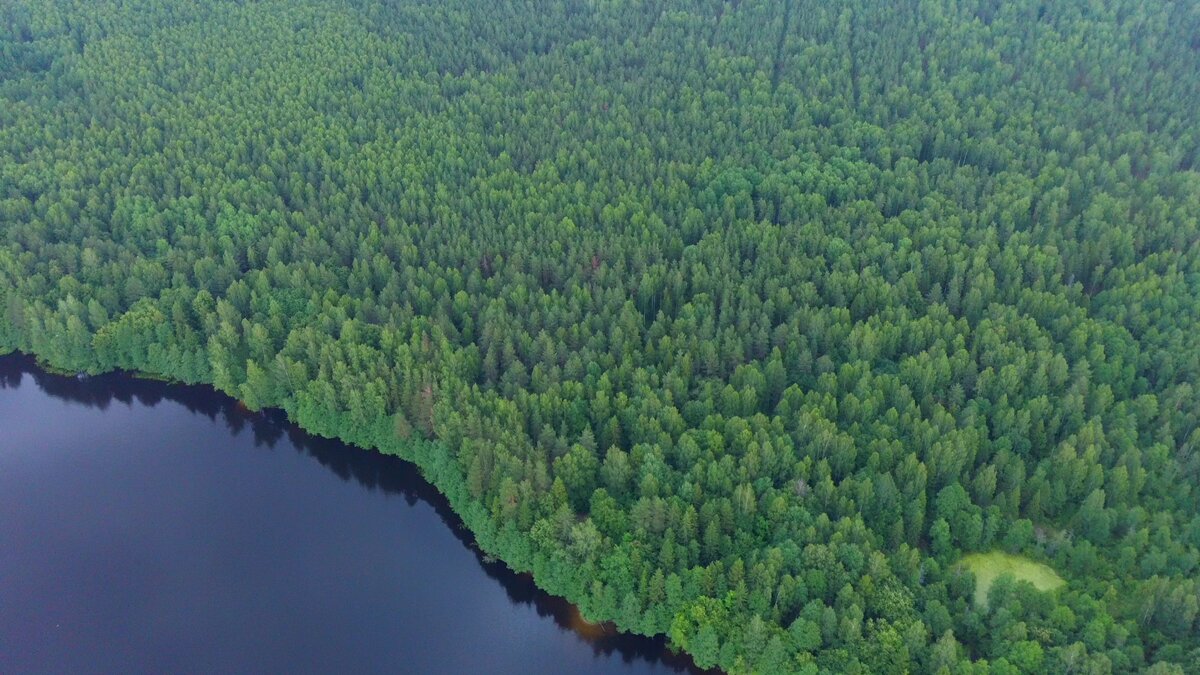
(371, 470)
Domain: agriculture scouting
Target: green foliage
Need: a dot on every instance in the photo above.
(736, 321)
(987, 567)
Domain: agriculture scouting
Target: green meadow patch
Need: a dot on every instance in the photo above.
(987, 567)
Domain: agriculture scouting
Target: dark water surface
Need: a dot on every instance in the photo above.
(147, 527)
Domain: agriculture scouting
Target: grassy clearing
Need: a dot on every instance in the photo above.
(987, 567)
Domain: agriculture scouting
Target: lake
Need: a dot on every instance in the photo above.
(153, 527)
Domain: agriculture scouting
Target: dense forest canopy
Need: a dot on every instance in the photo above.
(738, 321)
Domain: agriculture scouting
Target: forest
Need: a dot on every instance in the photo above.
(738, 321)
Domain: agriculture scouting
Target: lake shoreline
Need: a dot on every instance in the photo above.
(445, 504)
